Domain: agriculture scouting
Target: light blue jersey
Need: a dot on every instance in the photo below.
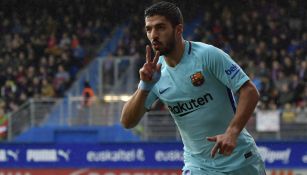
(198, 94)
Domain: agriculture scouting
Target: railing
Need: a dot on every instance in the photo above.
(32, 113)
(99, 112)
(107, 75)
(159, 125)
(35, 113)
(154, 126)
(121, 77)
(70, 111)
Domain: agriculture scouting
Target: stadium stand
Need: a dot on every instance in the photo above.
(50, 48)
(50, 41)
(269, 43)
(272, 51)
(45, 45)
(42, 57)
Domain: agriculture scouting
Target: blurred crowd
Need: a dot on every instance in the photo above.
(267, 38)
(44, 44)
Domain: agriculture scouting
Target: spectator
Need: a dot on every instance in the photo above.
(53, 48)
(302, 70)
(88, 95)
(301, 112)
(8, 89)
(75, 41)
(61, 80)
(35, 87)
(285, 95)
(78, 55)
(65, 42)
(47, 89)
(275, 42)
(288, 114)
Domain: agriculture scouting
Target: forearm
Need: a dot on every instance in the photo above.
(226, 143)
(134, 109)
(150, 73)
(248, 99)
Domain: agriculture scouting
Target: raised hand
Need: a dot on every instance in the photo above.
(150, 69)
(150, 73)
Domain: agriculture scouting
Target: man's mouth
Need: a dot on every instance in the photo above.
(156, 44)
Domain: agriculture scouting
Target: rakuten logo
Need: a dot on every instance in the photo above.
(272, 156)
(192, 105)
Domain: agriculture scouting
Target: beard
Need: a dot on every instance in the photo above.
(169, 46)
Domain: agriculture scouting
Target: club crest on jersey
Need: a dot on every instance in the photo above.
(197, 79)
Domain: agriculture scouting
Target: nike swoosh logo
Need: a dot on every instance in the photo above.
(162, 91)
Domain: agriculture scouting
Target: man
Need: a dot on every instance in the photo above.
(195, 81)
(88, 94)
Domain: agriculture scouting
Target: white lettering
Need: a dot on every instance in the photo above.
(168, 156)
(272, 155)
(13, 154)
(116, 155)
(3, 157)
(140, 155)
(64, 154)
(42, 155)
(6, 154)
(304, 159)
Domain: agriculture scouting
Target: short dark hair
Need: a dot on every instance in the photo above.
(167, 9)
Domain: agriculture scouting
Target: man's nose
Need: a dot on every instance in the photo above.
(154, 34)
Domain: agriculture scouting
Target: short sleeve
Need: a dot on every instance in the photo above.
(225, 69)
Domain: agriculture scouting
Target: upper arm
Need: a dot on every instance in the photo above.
(225, 69)
(249, 88)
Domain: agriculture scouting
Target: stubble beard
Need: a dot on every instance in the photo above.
(169, 46)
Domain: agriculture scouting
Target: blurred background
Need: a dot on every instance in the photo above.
(67, 67)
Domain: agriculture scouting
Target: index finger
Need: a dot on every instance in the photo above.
(156, 58)
(148, 54)
(214, 149)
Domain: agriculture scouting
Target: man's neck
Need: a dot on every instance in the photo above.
(175, 56)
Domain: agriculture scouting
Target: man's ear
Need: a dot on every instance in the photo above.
(179, 29)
